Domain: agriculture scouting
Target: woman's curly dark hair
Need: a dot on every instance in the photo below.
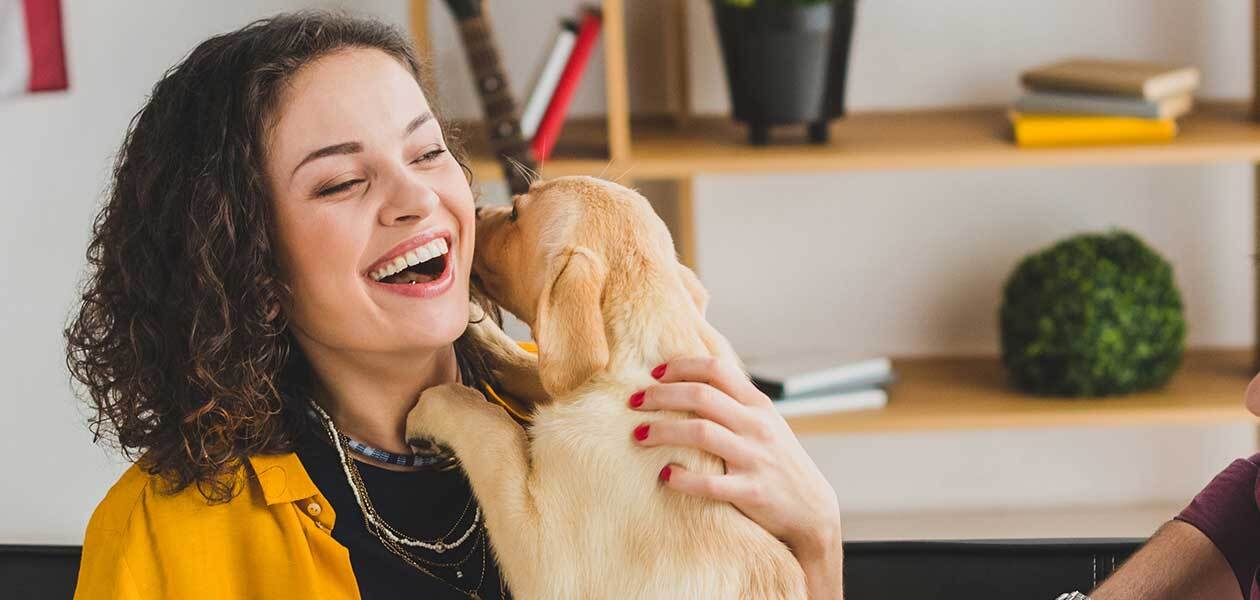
(181, 339)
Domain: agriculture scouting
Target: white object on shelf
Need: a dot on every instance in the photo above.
(823, 403)
(546, 80)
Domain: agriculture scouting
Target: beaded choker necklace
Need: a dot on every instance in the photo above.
(385, 456)
(434, 457)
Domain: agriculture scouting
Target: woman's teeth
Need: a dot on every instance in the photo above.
(412, 258)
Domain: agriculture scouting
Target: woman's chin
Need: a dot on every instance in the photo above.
(436, 322)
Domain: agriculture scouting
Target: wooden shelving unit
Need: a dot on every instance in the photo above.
(972, 393)
(930, 139)
(935, 393)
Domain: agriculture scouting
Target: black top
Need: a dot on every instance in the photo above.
(421, 504)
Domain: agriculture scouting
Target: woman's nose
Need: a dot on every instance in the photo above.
(410, 201)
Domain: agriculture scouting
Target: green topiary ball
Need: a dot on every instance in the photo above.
(1094, 315)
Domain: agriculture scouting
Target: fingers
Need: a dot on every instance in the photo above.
(719, 374)
(725, 488)
(697, 433)
(702, 399)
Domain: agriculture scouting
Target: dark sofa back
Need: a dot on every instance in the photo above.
(38, 572)
(999, 569)
(978, 570)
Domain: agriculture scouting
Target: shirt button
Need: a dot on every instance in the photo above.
(313, 509)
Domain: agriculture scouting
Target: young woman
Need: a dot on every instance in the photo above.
(233, 343)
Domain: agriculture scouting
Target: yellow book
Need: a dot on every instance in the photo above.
(1043, 131)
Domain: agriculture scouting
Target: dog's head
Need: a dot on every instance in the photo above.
(552, 257)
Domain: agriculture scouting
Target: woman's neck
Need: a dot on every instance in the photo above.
(369, 396)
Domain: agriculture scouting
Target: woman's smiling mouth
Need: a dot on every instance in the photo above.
(421, 266)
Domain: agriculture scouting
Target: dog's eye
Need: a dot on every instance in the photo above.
(512, 217)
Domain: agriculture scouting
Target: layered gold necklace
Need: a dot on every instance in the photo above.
(396, 541)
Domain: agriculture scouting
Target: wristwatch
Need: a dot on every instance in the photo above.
(1072, 596)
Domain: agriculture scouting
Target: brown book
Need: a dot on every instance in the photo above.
(1151, 81)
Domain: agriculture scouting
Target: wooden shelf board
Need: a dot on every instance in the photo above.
(972, 393)
(930, 139)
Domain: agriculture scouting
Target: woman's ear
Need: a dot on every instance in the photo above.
(569, 327)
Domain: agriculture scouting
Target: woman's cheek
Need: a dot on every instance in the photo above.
(462, 205)
(1253, 396)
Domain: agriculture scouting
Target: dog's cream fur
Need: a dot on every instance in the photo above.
(573, 508)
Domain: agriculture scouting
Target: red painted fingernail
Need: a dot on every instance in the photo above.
(658, 371)
(640, 432)
(665, 473)
(636, 399)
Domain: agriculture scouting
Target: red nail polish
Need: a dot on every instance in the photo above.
(658, 371)
(665, 473)
(636, 399)
(640, 432)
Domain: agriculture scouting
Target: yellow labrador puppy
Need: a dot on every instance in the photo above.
(572, 507)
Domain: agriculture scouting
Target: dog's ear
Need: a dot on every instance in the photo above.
(569, 327)
(699, 295)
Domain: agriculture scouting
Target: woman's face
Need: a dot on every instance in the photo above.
(363, 186)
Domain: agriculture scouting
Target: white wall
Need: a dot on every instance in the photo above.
(55, 154)
(913, 262)
(904, 263)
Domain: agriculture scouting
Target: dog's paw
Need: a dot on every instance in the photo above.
(444, 411)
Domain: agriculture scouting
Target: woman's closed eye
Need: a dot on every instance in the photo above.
(332, 190)
(345, 186)
(430, 156)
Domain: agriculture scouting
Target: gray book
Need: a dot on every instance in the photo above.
(782, 376)
(1092, 104)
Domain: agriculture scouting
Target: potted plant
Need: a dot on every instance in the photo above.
(1093, 315)
(786, 62)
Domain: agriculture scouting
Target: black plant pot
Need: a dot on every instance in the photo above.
(786, 63)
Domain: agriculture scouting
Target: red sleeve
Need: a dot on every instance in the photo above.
(1226, 512)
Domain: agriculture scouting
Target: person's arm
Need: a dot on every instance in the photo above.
(1209, 551)
(1178, 563)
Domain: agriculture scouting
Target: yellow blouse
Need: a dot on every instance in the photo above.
(273, 541)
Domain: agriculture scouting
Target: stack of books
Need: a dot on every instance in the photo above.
(556, 81)
(822, 382)
(1086, 101)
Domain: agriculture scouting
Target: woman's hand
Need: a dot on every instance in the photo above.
(769, 477)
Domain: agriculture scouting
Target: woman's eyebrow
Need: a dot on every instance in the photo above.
(354, 147)
(342, 148)
(417, 122)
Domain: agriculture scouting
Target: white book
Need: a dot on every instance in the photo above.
(546, 79)
(781, 376)
(823, 403)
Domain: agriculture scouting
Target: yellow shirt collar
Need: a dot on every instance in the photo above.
(282, 478)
